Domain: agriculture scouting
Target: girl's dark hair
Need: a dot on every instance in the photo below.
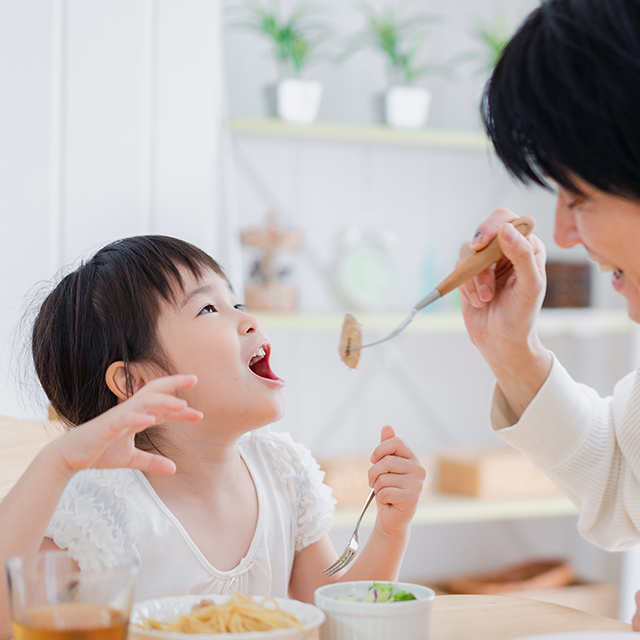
(564, 98)
(104, 311)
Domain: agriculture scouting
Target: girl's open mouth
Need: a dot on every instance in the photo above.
(259, 363)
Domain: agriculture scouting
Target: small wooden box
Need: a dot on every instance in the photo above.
(492, 473)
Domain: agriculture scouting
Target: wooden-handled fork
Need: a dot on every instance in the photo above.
(468, 269)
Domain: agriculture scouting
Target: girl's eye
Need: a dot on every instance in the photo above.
(240, 306)
(207, 309)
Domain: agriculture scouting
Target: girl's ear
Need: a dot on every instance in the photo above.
(116, 379)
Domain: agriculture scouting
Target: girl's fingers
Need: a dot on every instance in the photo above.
(158, 403)
(152, 462)
(387, 433)
(399, 498)
(392, 447)
(169, 384)
(396, 471)
(126, 418)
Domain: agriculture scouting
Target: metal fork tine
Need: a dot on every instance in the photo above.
(344, 561)
(331, 569)
(349, 557)
(352, 546)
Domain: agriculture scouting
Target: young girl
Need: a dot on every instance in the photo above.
(148, 348)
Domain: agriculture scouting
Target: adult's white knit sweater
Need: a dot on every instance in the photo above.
(589, 446)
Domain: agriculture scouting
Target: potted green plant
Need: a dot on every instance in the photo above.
(492, 36)
(297, 42)
(400, 41)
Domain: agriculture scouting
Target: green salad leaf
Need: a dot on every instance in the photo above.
(380, 592)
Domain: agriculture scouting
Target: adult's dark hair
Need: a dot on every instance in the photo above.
(564, 98)
(105, 311)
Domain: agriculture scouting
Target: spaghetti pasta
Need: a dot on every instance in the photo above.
(238, 615)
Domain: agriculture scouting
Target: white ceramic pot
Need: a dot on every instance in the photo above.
(349, 620)
(407, 107)
(299, 100)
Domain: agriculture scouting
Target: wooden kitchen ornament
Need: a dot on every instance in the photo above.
(266, 289)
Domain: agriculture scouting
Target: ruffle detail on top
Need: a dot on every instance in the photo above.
(95, 518)
(311, 499)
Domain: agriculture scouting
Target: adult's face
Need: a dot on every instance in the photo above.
(608, 226)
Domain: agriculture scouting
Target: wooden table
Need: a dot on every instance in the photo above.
(505, 618)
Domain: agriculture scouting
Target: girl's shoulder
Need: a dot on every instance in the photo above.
(96, 518)
(279, 449)
(103, 486)
(292, 466)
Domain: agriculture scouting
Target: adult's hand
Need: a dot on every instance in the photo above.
(500, 307)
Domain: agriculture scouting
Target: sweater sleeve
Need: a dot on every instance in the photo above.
(589, 446)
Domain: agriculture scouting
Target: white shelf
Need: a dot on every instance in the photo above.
(454, 509)
(579, 322)
(438, 138)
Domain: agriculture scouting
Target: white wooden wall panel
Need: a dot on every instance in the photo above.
(109, 126)
(104, 163)
(26, 253)
(186, 119)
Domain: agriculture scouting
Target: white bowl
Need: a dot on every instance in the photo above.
(349, 620)
(166, 608)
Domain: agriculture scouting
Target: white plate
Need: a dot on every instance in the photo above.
(582, 635)
(166, 608)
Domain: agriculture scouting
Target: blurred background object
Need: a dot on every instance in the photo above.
(568, 284)
(266, 288)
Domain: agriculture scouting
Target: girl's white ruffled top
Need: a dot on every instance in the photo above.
(104, 514)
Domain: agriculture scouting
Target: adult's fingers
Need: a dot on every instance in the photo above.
(481, 289)
(488, 230)
(520, 252)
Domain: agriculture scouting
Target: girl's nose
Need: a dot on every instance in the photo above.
(565, 232)
(248, 324)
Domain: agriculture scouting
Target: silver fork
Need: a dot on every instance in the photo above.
(352, 547)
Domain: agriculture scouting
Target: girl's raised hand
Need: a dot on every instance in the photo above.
(108, 441)
(398, 478)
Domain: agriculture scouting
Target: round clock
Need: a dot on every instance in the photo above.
(365, 271)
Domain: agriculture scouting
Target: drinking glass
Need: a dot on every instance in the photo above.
(51, 599)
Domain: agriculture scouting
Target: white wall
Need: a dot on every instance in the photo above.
(110, 114)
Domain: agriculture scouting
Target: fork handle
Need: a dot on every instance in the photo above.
(372, 495)
(482, 259)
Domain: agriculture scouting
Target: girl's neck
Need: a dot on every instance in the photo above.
(203, 463)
